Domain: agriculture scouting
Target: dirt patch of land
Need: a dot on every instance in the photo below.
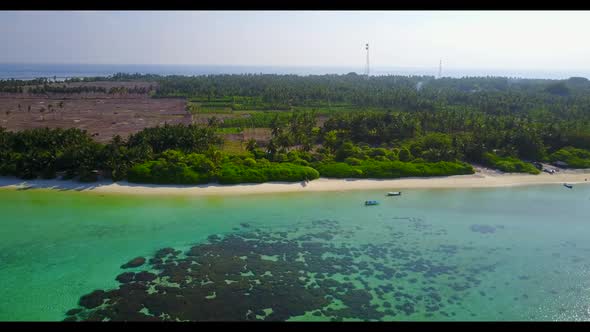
(261, 135)
(105, 115)
(102, 115)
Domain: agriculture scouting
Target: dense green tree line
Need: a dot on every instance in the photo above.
(563, 99)
(191, 138)
(118, 77)
(169, 154)
(493, 95)
(466, 135)
(416, 126)
(46, 152)
(52, 88)
(16, 86)
(189, 155)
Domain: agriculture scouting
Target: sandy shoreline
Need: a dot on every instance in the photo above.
(481, 179)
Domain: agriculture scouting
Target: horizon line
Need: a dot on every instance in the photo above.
(544, 69)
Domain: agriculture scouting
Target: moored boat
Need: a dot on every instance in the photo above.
(568, 185)
(371, 203)
(24, 186)
(394, 193)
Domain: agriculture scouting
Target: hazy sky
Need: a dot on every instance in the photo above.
(478, 39)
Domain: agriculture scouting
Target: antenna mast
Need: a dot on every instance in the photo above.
(367, 48)
(440, 69)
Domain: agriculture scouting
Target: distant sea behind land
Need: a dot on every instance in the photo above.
(64, 71)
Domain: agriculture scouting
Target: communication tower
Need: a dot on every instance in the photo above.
(368, 68)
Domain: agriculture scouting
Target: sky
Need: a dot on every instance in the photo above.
(467, 39)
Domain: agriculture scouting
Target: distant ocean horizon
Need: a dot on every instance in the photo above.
(64, 71)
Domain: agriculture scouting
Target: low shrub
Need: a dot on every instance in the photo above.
(393, 169)
(508, 164)
(575, 158)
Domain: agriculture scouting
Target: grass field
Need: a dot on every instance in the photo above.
(233, 147)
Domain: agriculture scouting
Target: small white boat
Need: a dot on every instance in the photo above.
(24, 186)
(394, 193)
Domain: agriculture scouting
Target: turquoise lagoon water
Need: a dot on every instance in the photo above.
(519, 253)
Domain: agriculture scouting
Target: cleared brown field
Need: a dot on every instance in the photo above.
(105, 115)
(261, 135)
(102, 115)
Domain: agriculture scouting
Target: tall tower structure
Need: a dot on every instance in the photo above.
(440, 69)
(368, 68)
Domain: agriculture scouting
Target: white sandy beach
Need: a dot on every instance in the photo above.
(481, 179)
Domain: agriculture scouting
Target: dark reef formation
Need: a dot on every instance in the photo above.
(136, 262)
(275, 276)
(483, 229)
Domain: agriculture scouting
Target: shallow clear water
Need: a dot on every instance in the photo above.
(518, 253)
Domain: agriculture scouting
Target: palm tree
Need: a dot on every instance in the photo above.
(284, 142)
(274, 126)
(213, 122)
(271, 148)
(330, 140)
(216, 157)
(251, 145)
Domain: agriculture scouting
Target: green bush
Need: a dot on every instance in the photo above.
(234, 174)
(140, 173)
(339, 170)
(393, 169)
(301, 162)
(508, 164)
(264, 172)
(174, 167)
(281, 158)
(164, 172)
(405, 155)
(575, 158)
(378, 152)
(353, 161)
(249, 162)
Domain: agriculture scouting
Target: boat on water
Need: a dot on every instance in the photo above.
(568, 185)
(394, 193)
(371, 203)
(24, 187)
